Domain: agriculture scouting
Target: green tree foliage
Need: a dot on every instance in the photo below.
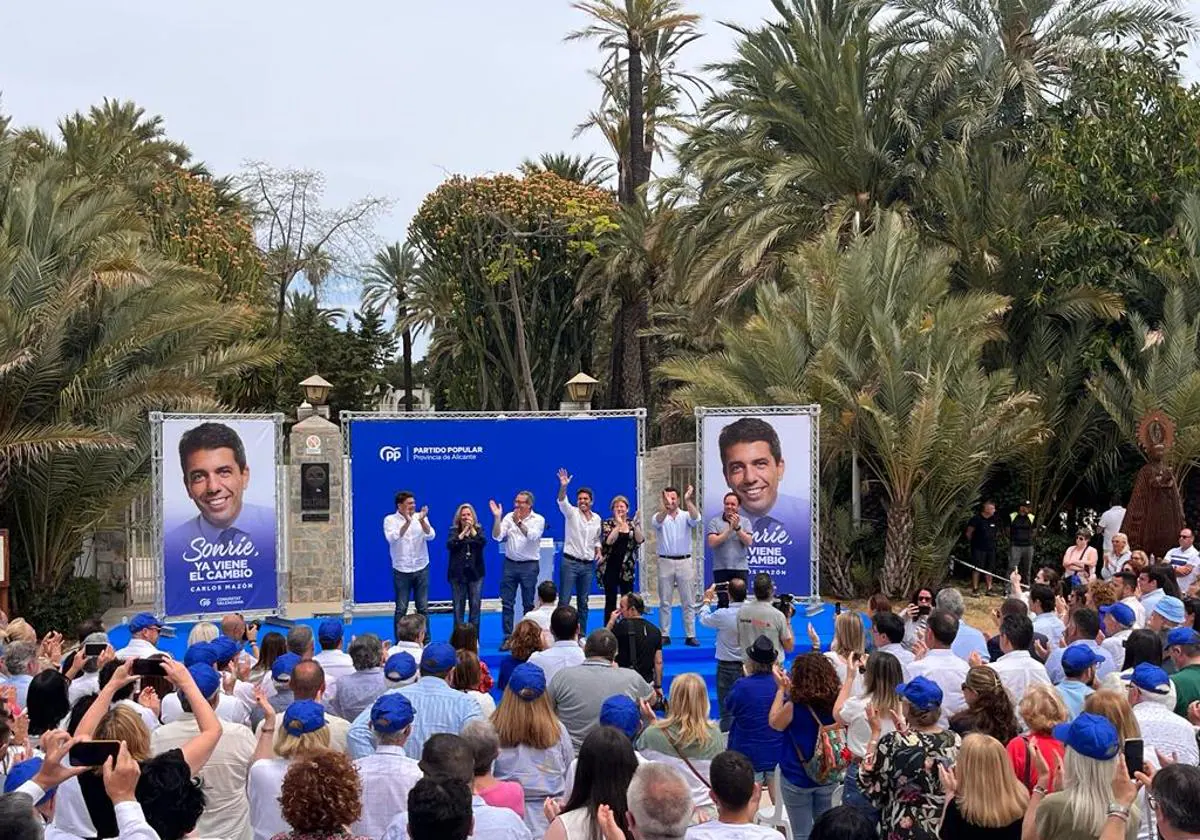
(500, 257)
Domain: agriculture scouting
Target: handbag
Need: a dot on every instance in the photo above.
(831, 754)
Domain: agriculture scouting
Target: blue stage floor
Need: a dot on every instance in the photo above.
(677, 659)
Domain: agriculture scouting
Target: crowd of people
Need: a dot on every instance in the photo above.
(1077, 719)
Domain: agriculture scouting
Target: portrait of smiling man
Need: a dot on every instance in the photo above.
(753, 465)
(212, 459)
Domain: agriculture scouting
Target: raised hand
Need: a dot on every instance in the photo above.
(974, 660)
(782, 680)
(121, 776)
(551, 808)
(52, 644)
(919, 649)
(688, 493)
(55, 770)
(1193, 712)
(564, 478)
(1041, 650)
(494, 506)
(813, 638)
(177, 674)
(424, 512)
(107, 655)
(1039, 763)
(607, 823)
(1014, 581)
(949, 780)
(148, 697)
(873, 720)
(260, 697)
(1125, 790)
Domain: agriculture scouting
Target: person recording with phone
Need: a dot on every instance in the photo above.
(916, 616)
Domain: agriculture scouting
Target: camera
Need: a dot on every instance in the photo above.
(784, 602)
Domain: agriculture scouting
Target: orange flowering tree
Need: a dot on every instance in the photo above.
(501, 257)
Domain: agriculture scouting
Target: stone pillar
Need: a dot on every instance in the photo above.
(316, 538)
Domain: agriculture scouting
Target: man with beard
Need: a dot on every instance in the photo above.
(581, 547)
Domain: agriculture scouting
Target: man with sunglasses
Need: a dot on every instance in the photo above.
(1185, 559)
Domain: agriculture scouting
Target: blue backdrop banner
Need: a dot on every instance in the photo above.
(446, 462)
(219, 515)
(766, 460)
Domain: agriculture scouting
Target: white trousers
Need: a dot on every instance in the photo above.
(681, 574)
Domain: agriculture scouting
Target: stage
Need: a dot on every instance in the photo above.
(678, 658)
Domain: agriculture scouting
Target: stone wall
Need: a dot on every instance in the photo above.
(674, 464)
(317, 549)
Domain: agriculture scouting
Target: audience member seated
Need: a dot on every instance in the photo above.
(1162, 730)
(399, 670)
(437, 707)
(983, 798)
(658, 805)
(172, 799)
(626, 717)
(736, 795)
(900, 773)
(441, 810)
(525, 641)
(467, 676)
(466, 637)
(687, 740)
(320, 798)
(578, 692)
(481, 737)
(843, 823)
(410, 636)
(1078, 663)
(606, 767)
(535, 748)
(1082, 629)
(304, 732)
(358, 690)
(564, 652)
(388, 774)
(307, 683)
(334, 662)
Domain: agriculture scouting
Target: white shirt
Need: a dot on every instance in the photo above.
(858, 731)
(411, 648)
(1115, 645)
(1139, 611)
(82, 686)
(898, 650)
(556, 657)
(387, 776)
(839, 665)
(1017, 671)
(335, 663)
(1167, 732)
(145, 714)
(1050, 626)
(339, 731)
(229, 708)
(715, 830)
(263, 790)
(582, 539)
(491, 823)
(675, 533)
(410, 550)
(1190, 557)
(226, 810)
(1110, 525)
(948, 671)
(522, 547)
(138, 649)
(541, 617)
(486, 704)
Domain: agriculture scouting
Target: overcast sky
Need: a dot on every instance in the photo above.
(385, 98)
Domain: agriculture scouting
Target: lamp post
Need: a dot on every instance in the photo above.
(580, 389)
(316, 392)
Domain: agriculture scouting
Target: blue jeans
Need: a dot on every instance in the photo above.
(464, 596)
(576, 579)
(852, 795)
(523, 574)
(414, 583)
(804, 805)
(727, 674)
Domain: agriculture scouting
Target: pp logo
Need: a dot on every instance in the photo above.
(206, 602)
(391, 454)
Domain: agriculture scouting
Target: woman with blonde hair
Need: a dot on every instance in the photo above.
(687, 740)
(620, 537)
(302, 734)
(883, 674)
(19, 630)
(535, 747)
(849, 639)
(464, 569)
(1114, 705)
(982, 794)
(1042, 709)
(202, 631)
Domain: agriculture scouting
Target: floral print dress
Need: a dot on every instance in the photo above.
(904, 783)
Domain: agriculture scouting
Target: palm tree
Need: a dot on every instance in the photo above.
(96, 329)
(591, 170)
(871, 331)
(1006, 60)
(386, 285)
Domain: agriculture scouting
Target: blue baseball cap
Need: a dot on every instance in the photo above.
(1077, 658)
(528, 681)
(622, 712)
(1121, 613)
(438, 657)
(201, 653)
(281, 669)
(22, 772)
(303, 716)
(1150, 678)
(921, 693)
(391, 713)
(143, 621)
(1090, 735)
(400, 667)
(1170, 608)
(226, 649)
(330, 630)
(206, 677)
(1183, 636)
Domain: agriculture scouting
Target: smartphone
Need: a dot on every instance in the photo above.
(93, 753)
(837, 608)
(94, 649)
(1134, 755)
(721, 587)
(148, 668)
(924, 609)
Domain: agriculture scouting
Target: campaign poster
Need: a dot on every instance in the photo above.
(452, 461)
(219, 502)
(765, 460)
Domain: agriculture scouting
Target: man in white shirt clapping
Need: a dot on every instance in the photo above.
(581, 546)
(521, 532)
(937, 662)
(408, 534)
(676, 569)
(1017, 669)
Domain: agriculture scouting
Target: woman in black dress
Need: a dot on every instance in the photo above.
(620, 536)
(465, 569)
